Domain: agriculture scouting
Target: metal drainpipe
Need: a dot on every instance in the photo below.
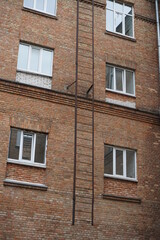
(158, 33)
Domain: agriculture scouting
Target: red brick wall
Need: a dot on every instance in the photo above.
(34, 214)
(61, 35)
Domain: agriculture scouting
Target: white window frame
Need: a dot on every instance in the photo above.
(123, 81)
(39, 72)
(28, 162)
(123, 17)
(124, 176)
(45, 8)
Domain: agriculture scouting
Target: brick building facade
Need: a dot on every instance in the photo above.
(37, 112)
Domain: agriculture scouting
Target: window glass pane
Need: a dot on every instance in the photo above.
(119, 162)
(18, 140)
(13, 146)
(118, 22)
(46, 62)
(40, 5)
(130, 162)
(129, 82)
(119, 7)
(110, 77)
(110, 4)
(51, 6)
(23, 57)
(109, 20)
(29, 3)
(27, 146)
(34, 63)
(108, 160)
(128, 26)
(119, 79)
(128, 9)
(40, 148)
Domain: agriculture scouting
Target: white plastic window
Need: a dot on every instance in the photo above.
(120, 163)
(27, 147)
(119, 18)
(35, 59)
(44, 6)
(120, 80)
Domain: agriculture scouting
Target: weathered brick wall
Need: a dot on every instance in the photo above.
(35, 214)
(30, 213)
(60, 35)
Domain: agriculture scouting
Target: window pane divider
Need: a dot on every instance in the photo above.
(124, 163)
(40, 61)
(34, 5)
(33, 148)
(45, 150)
(21, 146)
(114, 78)
(114, 162)
(135, 161)
(29, 57)
(124, 88)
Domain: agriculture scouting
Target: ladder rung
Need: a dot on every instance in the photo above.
(87, 14)
(85, 73)
(86, 155)
(84, 131)
(83, 220)
(83, 197)
(85, 37)
(84, 202)
(86, 139)
(84, 179)
(88, 20)
(80, 24)
(82, 80)
(84, 188)
(80, 30)
(84, 56)
(86, 124)
(85, 43)
(84, 116)
(84, 66)
(84, 171)
(79, 145)
(90, 9)
(82, 211)
(85, 62)
(89, 164)
(82, 86)
(85, 49)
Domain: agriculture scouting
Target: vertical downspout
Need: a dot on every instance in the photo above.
(158, 33)
(158, 41)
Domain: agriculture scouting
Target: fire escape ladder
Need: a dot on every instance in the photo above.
(83, 184)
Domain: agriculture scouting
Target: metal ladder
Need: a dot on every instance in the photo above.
(83, 184)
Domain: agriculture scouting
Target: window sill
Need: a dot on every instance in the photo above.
(121, 36)
(15, 183)
(121, 93)
(33, 73)
(121, 178)
(25, 163)
(120, 198)
(39, 13)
